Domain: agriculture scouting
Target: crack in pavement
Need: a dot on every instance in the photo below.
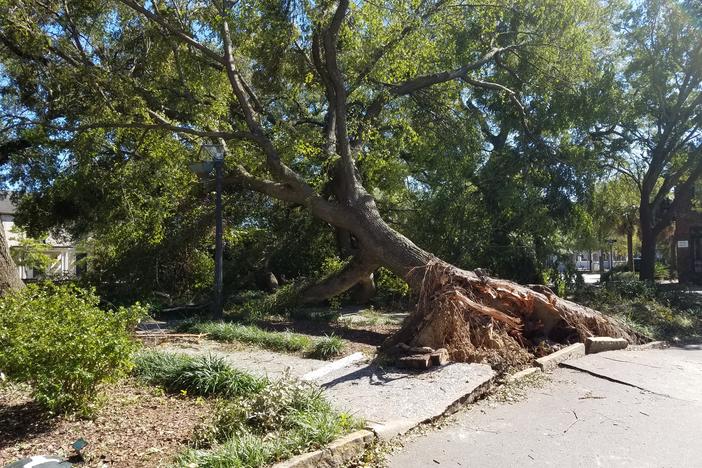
(622, 382)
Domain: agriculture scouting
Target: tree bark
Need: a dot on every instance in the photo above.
(351, 274)
(647, 272)
(630, 248)
(364, 290)
(9, 276)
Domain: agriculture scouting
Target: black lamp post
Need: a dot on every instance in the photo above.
(611, 253)
(203, 169)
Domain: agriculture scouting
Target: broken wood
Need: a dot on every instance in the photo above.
(415, 361)
(440, 357)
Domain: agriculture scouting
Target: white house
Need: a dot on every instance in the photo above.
(61, 250)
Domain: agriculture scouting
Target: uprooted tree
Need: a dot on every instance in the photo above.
(304, 96)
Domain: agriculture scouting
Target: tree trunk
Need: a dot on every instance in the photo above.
(647, 272)
(364, 290)
(356, 270)
(9, 276)
(630, 248)
(474, 316)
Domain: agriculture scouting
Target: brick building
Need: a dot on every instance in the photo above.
(688, 241)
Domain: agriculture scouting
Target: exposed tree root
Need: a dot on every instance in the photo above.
(483, 319)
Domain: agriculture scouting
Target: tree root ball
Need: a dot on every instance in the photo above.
(482, 319)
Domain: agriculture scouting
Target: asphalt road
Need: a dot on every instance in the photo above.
(580, 420)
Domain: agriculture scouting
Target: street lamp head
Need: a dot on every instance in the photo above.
(202, 168)
(216, 152)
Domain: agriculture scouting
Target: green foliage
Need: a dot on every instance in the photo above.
(666, 315)
(282, 302)
(32, 253)
(324, 348)
(454, 154)
(285, 418)
(251, 334)
(327, 347)
(57, 339)
(661, 271)
(627, 285)
(390, 286)
(206, 375)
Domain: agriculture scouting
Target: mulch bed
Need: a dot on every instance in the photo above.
(137, 426)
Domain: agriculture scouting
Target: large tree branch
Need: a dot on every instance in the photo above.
(432, 79)
(336, 94)
(421, 82)
(325, 210)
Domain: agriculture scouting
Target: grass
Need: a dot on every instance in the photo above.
(205, 375)
(256, 422)
(372, 317)
(323, 348)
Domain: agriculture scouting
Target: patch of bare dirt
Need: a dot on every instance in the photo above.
(136, 427)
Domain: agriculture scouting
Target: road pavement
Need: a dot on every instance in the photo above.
(642, 409)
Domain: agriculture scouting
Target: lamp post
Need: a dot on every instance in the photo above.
(611, 253)
(203, 169)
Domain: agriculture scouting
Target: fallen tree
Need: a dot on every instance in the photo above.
(475, 317)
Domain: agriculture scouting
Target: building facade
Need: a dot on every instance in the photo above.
(688, 242)
(61, 251)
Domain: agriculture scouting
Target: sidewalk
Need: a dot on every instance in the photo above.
(650, 417)
(391, 401)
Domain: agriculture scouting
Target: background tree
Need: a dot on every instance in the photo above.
(614, 208)
(654, 135)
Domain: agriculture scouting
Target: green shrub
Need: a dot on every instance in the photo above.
(285, 418)
(281, 302)
(628, 285)
(327, 347)
(58, 340)
(390, 286)
(661, 271)
(205, 375)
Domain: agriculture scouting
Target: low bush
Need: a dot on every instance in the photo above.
(665, 315)
(285, 418)
(282, 302)
(205, 375)
(327, 347)
(628, 285)
(58, 340)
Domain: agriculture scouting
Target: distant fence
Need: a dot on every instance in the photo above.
(584, 265)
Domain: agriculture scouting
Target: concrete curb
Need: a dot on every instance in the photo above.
(394, 429)
(332, 366)
(550, 362)
(600, 344)
(337, 454)
(476, 394)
